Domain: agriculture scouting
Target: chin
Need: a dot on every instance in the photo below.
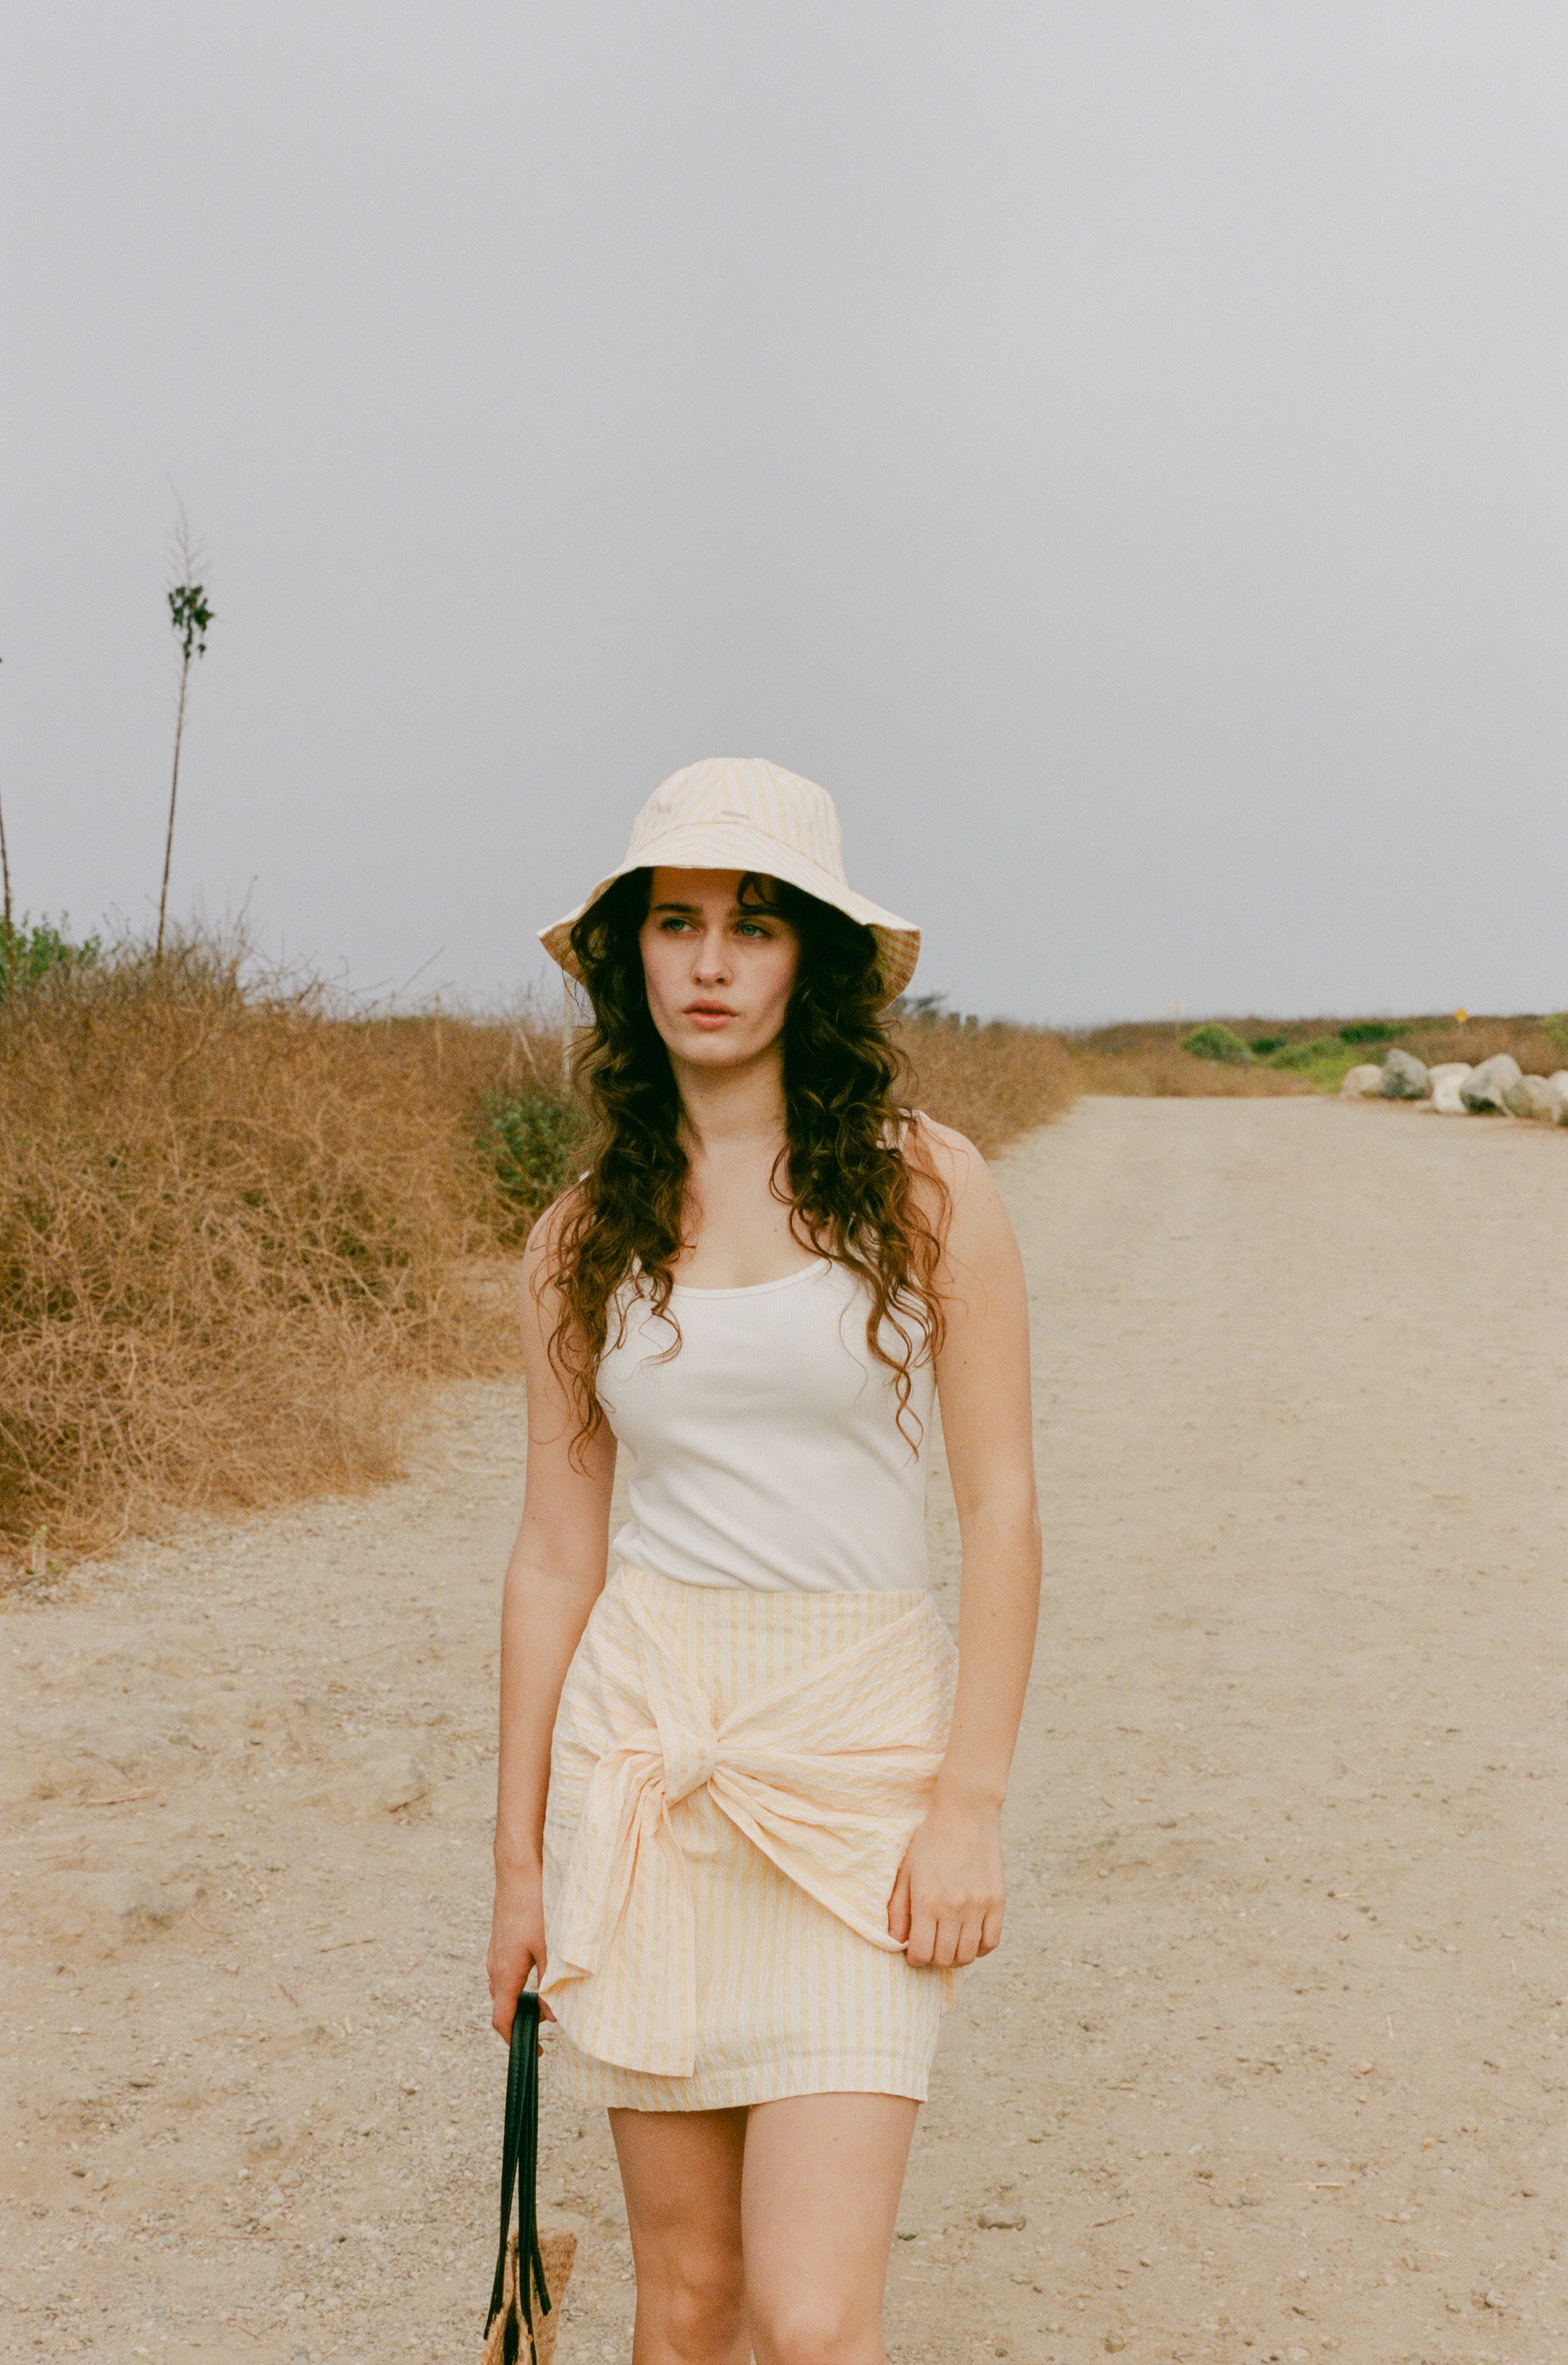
(717, 1050)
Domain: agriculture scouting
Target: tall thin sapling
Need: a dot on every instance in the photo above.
(190, 615)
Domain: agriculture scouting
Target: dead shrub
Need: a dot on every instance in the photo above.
(234, 1228)
(990, 1083)
(1540, 1045)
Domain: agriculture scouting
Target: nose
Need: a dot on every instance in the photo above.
(713, 957)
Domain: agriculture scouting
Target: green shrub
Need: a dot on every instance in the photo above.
(1214, 1041)
(1368, 1030)
(28, 955)
(1300, 1057)
(529, 1138)
(1262, 1045)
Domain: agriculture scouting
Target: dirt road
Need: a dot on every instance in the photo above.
(1272, 2064)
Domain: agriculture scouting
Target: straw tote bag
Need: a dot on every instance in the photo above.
(532, 2267)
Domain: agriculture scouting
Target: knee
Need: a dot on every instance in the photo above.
(815, 2328)
(700, 2304)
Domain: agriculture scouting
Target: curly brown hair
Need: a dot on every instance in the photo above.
(850, 1185)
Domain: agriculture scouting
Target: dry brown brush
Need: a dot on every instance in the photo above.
(233, 1229)
(992, 1082)
(1540, 1045)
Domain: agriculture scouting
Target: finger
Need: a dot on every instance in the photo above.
(506, 1987)
(503, 2015)
(967, 1945)
(922, 1940)
(991, 1933)
(898, 1907)
(942, 1951)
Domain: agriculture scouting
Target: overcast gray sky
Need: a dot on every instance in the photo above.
(1117, 448)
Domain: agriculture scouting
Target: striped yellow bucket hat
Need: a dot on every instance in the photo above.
(740, 812)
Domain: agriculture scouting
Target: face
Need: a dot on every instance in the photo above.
(719, 973)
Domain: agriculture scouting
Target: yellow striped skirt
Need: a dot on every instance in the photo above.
(734, 1778)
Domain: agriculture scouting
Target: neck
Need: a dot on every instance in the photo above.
(724, 1108)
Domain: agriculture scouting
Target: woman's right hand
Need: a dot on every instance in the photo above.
(516, 1944)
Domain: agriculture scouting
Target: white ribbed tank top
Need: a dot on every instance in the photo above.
(767, 1450)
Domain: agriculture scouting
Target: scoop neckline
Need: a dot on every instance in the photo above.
(754, 1288)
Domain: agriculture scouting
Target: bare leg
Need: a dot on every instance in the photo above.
(819, 2201)
(681, 2171)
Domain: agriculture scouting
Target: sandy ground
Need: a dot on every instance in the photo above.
(1271, 2063)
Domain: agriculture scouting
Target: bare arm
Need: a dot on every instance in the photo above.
(556, 1574)
(947, 1906)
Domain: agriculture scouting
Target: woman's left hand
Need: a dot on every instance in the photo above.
(945, 1908)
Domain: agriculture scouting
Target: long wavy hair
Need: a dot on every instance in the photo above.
(844, 1171)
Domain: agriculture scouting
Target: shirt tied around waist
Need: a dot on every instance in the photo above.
(827, 1773)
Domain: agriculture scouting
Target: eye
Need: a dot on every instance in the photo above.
(753, 928)
(671, 923)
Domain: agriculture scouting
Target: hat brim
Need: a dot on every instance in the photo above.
(736, 848)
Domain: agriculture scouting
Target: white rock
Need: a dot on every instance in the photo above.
(1482, 1090)
(1447, 1068)
(1529, 1096)
(134, 1902)
(1446, 1098)
(105, 1905)
(1362, 1083)
(394, 1782)
(376, 1779)
(1557, 1086)
(1404, 1077)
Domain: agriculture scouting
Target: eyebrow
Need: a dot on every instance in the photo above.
(748, 910)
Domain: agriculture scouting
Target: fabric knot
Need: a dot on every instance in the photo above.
(692, 1759)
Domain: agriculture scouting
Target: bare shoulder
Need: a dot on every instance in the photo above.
(978, 1243)
(540, 1302)
(542, 1250)
(950, 1157)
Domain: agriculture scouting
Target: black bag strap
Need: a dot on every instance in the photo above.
(520, 2174)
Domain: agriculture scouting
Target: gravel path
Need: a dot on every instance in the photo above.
(1271, 2063)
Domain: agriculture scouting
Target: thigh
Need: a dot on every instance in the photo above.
(819, 2198)
(682, 2179)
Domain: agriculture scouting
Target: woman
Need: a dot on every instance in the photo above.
(749, 1809)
